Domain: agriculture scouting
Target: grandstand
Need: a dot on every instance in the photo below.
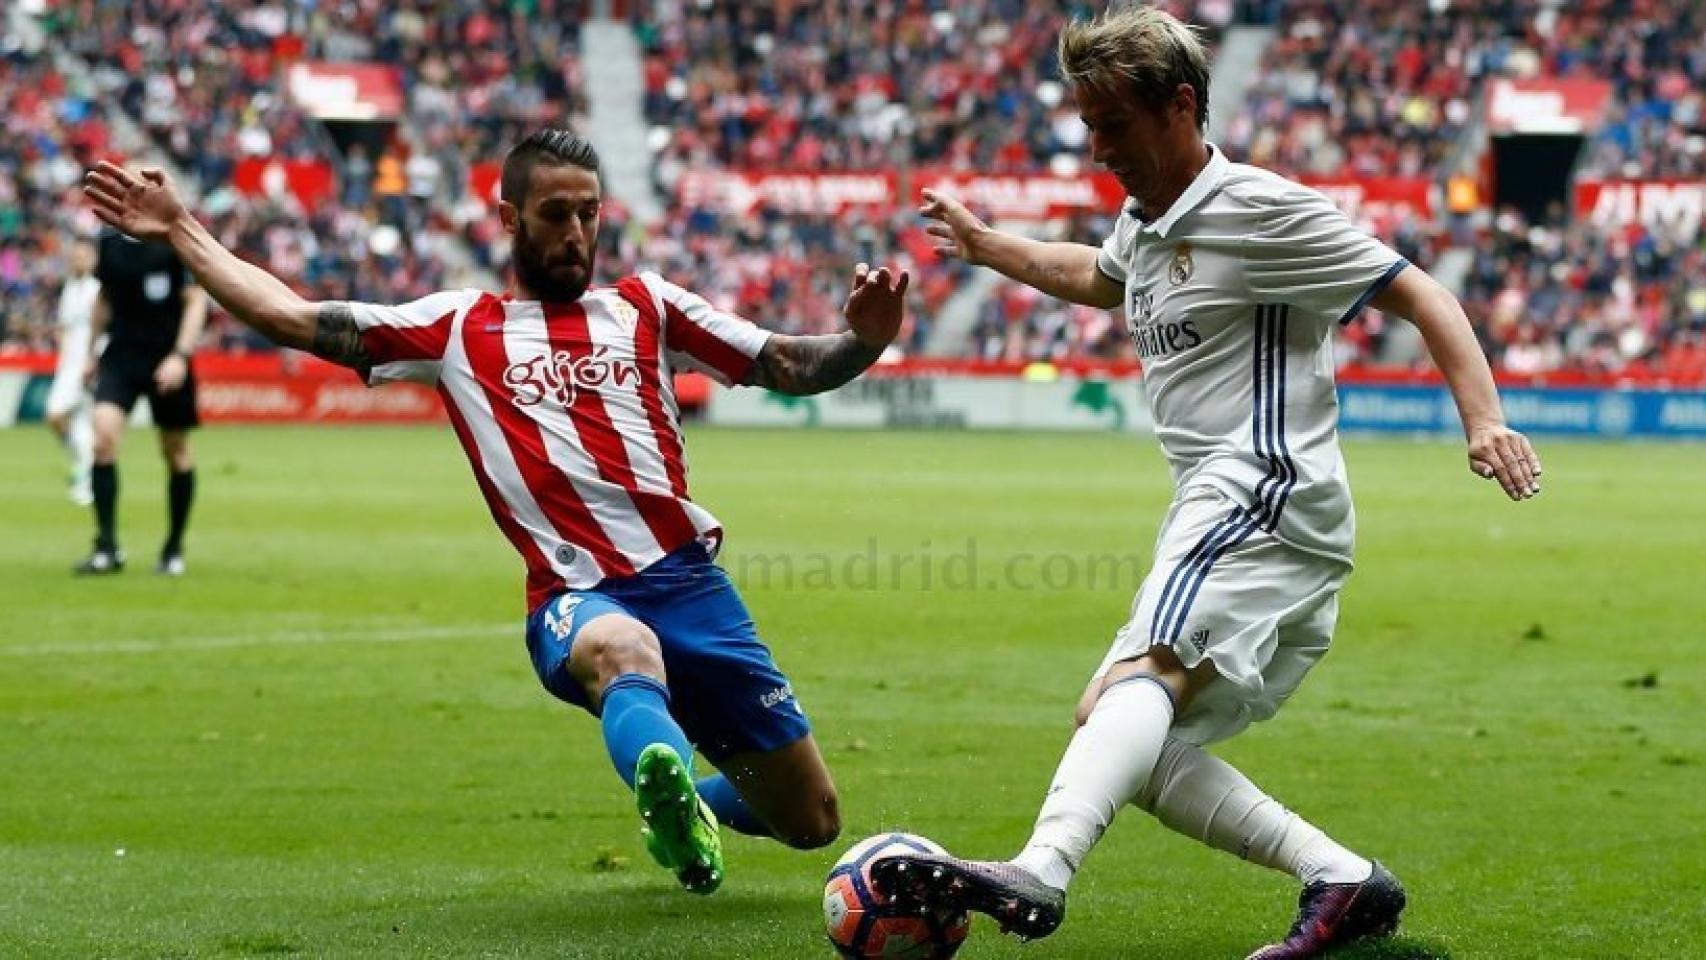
(761, 120)
(355, 154)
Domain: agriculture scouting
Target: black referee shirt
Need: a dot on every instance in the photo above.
(144, 286)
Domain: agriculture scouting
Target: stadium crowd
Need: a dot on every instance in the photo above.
(52, 133)
(1387, 87)
(970, 85)
(1550, 296)
(1380, 87)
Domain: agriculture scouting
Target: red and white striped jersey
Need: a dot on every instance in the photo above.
(567, 413)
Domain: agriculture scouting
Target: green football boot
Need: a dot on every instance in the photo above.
(681, 831)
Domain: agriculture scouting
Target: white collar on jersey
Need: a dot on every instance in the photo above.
(1194, 195)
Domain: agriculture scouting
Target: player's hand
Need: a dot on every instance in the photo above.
(90, 368)
(170, 374)
(877, 305)
(1502, 454)
(956, 228)
(142, 203)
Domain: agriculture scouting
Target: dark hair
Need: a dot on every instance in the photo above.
(551, 146)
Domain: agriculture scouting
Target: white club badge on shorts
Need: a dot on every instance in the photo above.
(560, 617)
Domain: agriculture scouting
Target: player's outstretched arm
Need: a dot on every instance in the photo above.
(145, 204)
(807, 365)
(1495, 450)
(1064, 270)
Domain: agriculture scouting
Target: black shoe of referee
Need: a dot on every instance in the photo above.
(100, 561)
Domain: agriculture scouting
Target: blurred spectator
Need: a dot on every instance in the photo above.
(1554, 296)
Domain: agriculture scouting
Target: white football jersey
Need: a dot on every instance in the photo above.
(77, 306)
(1231, 297)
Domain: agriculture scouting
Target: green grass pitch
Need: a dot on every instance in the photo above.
(327, 741)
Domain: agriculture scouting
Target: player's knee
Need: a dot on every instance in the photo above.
(108, 430)
(611, 646)
(175, 448)
(1087, 703)
(106, 449)
(813, 826)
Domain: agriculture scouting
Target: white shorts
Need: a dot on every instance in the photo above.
(68, 391)
(1224, 590)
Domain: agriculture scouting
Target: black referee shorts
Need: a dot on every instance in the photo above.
(123, 376)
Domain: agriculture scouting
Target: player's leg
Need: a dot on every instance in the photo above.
(1143, 684)
(739, 707)
(1346, 897)
(180, 495)
(80, 442)
(106, 557)
(1109, 759)
(175, 415)
(73, 425)
(590, 650)
(68, 415)
(616, 660)
(786, 793)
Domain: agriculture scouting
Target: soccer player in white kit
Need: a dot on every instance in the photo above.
(1231, 280)
(68, 403)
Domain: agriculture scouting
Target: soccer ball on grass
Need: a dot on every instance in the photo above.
(864, 925)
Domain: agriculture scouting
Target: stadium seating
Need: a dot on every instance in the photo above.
(1547, 298)
(759, 88)
(206, 83)
(51, 134)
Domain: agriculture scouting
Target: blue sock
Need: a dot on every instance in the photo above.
(635, 715)
(730, 809)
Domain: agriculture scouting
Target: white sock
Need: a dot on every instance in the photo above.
(1207, 799)
(80, 444)
(1104, 767)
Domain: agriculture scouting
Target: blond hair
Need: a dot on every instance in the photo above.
(1139, 51)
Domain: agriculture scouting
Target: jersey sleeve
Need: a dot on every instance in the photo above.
(1308, 254)
(1112, 257)
(407, 342)
(700, 337)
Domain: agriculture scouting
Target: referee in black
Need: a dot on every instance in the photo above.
(152, 313)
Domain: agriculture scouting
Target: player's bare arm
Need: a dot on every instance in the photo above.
(1495, 450)
(336, 337)
(145, 204)
(1064, 270)
(813, 364)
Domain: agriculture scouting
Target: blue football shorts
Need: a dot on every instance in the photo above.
(724, 687)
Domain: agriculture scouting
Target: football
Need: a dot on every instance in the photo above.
(863, 924)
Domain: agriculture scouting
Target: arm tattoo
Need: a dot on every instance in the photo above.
(337, 339)
(807, 365)
(1045, 275)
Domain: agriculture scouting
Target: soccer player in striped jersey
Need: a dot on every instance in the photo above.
(1231, 280)
(562, 397)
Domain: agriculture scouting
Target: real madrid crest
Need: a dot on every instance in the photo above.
(1180, 269)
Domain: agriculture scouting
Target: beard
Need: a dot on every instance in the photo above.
(557, 281)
